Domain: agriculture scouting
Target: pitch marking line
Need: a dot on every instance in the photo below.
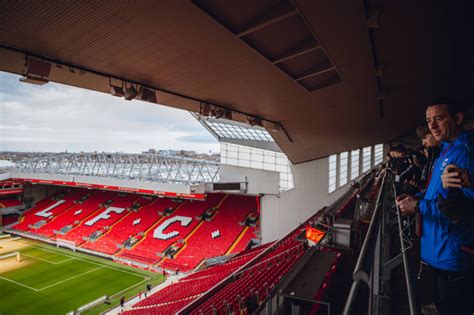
(73, 277)
(89, 261)
(130, 287)
(45, 260)
(51, 285)
(23, 285)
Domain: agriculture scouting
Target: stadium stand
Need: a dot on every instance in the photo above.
(150, 248)
(9, 219)
(132, 225)
(10, 202)
(244, 240)
(225, 223)
(153, 215)
(175, 296)
(72, 217)
(262, 274)
(48, 209)
(102, 219)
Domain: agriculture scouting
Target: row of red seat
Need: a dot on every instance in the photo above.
(151, 246)
(172, 298)
(58, 203)
(145, 215)
(77, 213)
(244, 242)
(10, 202)
(163, 309)
(260, 278)
(200, 245)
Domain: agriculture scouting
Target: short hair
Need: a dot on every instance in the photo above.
(400, 148)
(422, 130)
(453, 105)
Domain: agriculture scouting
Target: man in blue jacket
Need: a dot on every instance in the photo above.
(443, 237)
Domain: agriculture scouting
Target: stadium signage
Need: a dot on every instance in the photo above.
(45, 212)
(104, 215)
(113, 188)
(159, 231)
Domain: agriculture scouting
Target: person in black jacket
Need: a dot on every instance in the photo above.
(252, 302)
(431, 150)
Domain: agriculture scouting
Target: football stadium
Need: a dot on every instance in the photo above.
(317, 108)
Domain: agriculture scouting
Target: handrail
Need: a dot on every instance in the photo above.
(362, 271)
(411, 299)
(359, 274)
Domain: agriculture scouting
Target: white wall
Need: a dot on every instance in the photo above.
(260, 181)
(5, 176)
(282, 213)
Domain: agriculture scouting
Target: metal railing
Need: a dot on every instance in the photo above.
(374, 264)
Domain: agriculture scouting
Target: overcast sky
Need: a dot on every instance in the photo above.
(56, 117)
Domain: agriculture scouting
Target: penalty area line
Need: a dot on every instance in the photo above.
(18, 283)
(73, 277)
(90, 261)
(45, 260)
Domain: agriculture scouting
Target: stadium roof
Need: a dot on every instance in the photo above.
(334, 75)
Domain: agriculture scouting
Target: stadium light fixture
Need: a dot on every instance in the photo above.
(254, 121)
(204, 109)
(228, 114)
(276, 127)
(116, 90)
(37, 71)
(146, 94)
(130, 93)
(218, 112)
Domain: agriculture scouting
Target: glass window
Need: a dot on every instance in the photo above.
(233, 154)
(378, 154)
(332, 172)
(355, 163)
(343, 161)
(366, 156)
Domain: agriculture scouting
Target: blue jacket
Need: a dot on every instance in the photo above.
(441, 238)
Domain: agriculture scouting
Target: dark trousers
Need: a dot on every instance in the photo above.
(453, 292)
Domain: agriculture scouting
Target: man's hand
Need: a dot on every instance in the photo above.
(454, 177)
(407, 204)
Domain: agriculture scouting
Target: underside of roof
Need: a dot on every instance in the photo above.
(336, 75)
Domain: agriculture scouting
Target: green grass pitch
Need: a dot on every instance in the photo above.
(55, 281)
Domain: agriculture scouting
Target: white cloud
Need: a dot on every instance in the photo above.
(56, 117)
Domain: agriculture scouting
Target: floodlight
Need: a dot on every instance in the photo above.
(254, 121)
(130, 93)
(145, 94)
(116, 91)
(204, 109)
(37, 72)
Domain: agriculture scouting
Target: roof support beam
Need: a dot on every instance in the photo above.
(312, 74)
(266, 23)
(296, 54)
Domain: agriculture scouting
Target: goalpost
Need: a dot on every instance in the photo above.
(13, 254)
(65, 243)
